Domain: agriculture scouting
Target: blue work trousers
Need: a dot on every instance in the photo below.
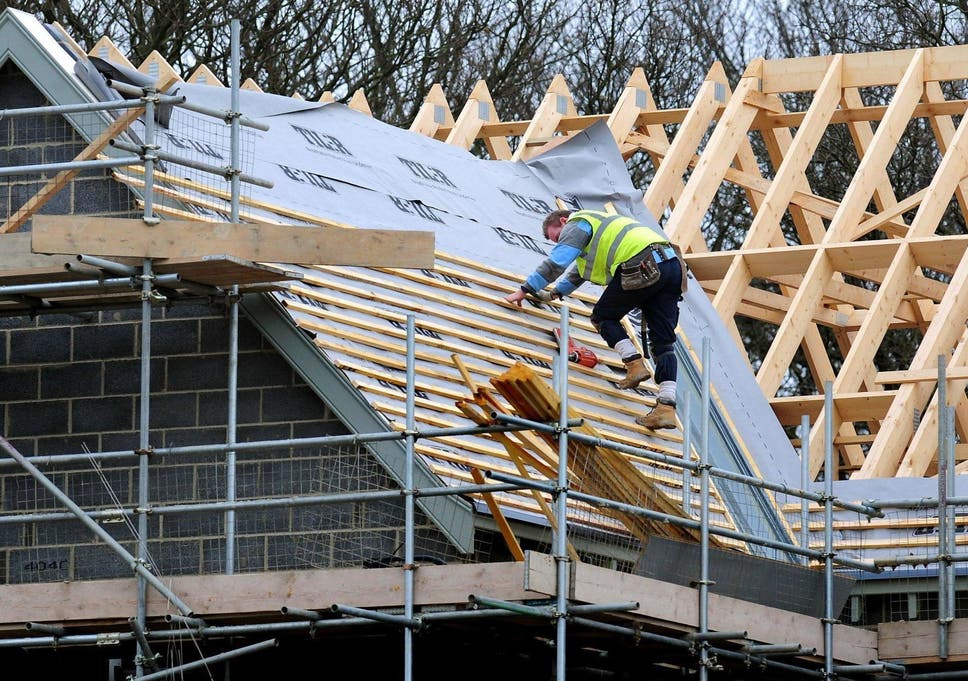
(660, 315)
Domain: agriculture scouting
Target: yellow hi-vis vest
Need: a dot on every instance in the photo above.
(615, 239)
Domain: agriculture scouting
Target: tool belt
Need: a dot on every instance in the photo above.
(642, 269)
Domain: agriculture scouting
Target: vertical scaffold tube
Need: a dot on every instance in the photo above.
(231, 433)
(144, 421)
(704, 509)
(408, 532)
(828, 531)
(233, 302)
(149, 154)
(686, 456)
(144, 425)
(235, 123)
(944, 550)
(561, 503)
(232, 423)
(949, 565)
(804, 484)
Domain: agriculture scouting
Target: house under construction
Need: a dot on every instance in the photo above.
(262, 403)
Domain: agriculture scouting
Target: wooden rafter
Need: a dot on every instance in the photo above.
(106, 49)
(358, 102)
(557, 103)
(205, 76)
(666, 187)
(685, 221)
(156, 66)
(434, 115)
(479, 110)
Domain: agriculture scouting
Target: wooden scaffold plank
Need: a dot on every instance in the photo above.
(121, 237)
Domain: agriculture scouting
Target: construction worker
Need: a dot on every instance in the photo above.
(639, 268)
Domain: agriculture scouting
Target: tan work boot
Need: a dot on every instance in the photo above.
(636, 372)
(662, 416)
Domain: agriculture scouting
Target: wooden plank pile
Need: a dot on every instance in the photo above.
(597, 470)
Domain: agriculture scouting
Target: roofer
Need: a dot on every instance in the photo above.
(639, 268)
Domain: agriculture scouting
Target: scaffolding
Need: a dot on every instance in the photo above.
(704, 649)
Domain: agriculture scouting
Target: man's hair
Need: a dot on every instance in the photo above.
(553, 218)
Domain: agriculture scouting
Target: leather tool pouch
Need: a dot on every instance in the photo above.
(639, 271)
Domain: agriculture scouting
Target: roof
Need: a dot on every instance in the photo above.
(329, 164)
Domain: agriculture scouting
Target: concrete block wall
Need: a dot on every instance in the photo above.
(68, 386)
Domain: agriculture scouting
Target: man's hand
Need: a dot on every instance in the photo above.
(516, 297)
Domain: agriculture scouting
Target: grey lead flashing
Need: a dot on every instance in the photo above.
(752, 509)
(453, 516)
(38, 55)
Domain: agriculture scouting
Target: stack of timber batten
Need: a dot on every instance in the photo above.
(596, 470)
